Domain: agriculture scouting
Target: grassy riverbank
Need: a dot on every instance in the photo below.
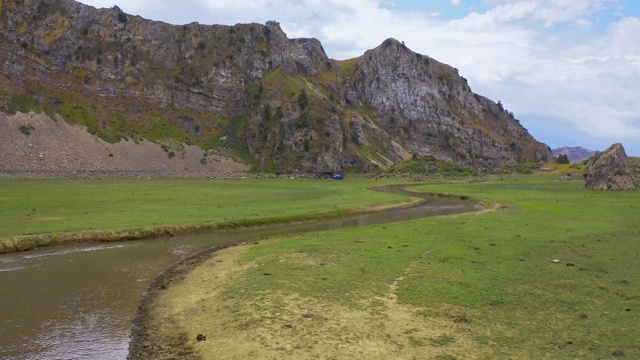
(109, 209)
(551, 273)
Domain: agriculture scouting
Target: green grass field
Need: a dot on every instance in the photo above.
(486, 284)
(48, 206)
(482, 285)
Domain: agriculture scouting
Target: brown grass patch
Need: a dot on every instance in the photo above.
(501, 207)
(287, 326)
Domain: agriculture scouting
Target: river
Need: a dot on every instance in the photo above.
(78, 301)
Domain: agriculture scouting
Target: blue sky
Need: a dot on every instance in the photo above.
(568, 69)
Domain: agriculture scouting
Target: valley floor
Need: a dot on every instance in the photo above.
(550, 275)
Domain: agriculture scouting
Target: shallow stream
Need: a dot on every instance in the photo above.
(78, 301)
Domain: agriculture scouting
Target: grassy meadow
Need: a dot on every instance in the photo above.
(550, 273)
(64, 206)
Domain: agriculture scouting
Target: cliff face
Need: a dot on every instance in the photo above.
(247, 89)
(431, 107)
(111, 54)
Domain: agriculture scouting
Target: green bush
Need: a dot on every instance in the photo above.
(26, 129)
(562, 159)
(303, 100)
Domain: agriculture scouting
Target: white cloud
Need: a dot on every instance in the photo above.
(549, 11)
(593, 85)
(131, 7)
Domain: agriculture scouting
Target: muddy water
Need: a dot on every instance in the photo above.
(77, 302)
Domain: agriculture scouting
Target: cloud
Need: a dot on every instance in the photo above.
(550, 12)
(593, 85)
(131, 7)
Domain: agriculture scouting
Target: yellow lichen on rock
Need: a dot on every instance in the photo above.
(61, 26)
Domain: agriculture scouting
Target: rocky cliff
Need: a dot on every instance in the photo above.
(610, 170)
(246, 90)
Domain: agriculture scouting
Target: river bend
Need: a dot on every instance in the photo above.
(78, 301)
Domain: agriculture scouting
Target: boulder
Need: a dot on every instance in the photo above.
(609, 170)
(566, 177)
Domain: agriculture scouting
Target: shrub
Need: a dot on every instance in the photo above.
(303, 100)
(26, 129)
(303, 121)
(267, 112)
(562, 159)
(122, 17)
(279, 113)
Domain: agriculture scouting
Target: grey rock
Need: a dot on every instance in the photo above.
(609, 170)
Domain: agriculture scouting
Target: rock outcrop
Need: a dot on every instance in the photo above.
(431, 108)
(247, 91)
(609, 170)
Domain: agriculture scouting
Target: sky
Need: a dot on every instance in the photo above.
(569, 70)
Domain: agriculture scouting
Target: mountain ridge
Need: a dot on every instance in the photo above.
(575, 154)
(248, 90)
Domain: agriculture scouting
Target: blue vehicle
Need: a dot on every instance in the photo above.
(330, 175)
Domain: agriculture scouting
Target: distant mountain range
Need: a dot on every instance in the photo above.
(575, 154)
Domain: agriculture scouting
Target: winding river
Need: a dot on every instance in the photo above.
(78, 301)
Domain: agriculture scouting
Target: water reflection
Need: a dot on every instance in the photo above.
(85, 335)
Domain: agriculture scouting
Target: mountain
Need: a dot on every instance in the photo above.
(246, 91)
(575, 154)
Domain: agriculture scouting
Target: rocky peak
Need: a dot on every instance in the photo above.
(609, 170)
(431, 106)
(295, 55)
